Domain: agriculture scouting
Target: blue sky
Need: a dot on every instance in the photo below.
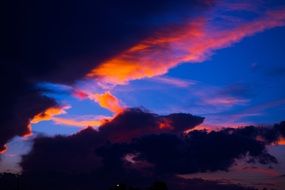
(249, 74)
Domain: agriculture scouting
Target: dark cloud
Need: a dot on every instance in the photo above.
(60, 41)
(20, 101)
(198, 152)
(268, 135)
(94, 159)
(135, 123)
(74, 153)
(237, 90)
(280, 128)
(80, 148)
(65, 40)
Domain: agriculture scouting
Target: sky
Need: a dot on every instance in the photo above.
(88, 64)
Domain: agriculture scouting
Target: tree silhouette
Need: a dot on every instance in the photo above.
(158, 185)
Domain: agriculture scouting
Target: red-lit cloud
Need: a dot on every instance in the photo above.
(3, 149)
(108, 101)
(194, 42)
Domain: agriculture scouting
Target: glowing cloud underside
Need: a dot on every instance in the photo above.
(194, 42)
(80, 123)
(48, 114)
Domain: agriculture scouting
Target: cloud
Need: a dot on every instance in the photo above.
(49, 113)
(194, 42)
(267, 135)
(221, 98)
(241, 6)
(20, 102)
(43, 48)
(173, 81)
(225, 101)
(256, 110)
(63, 47)
(79, 154)
(135, 123)
(74, 152)
(192, 154)
(81, 123)
(108, 101)
(3, 149)
(144, 157)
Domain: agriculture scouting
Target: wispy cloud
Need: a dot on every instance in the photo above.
(194, 42)
(106, 100)
(173, 81)
(225, 101)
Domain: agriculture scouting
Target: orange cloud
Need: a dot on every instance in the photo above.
(81, 123)
(281, 141)
(105, 100)
(48, 114)
(194, 42)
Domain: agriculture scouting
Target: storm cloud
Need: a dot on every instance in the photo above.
(138, 159)
(62, 41)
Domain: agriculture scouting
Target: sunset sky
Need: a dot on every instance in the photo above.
(87, 64)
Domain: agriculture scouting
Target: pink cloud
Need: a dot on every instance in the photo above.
(194, 42)
(225, 101)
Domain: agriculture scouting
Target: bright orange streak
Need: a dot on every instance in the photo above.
(108, 101)
(83, 123)
(48, 114)
(281, 141)
(194, 42)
